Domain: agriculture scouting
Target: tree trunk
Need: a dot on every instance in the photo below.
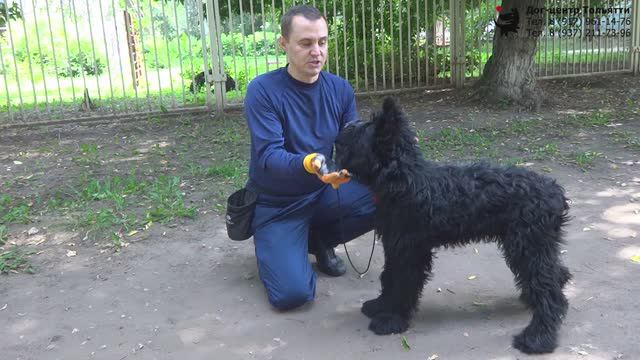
(509, 75)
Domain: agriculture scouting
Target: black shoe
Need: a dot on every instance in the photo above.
(329, 263)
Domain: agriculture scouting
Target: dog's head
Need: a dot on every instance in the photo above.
(376, 150)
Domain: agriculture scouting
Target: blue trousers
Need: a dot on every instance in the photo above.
(284, 228)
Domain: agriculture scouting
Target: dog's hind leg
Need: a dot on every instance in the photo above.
(403, 278)
(534, 259)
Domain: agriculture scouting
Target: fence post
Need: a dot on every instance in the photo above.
(217, 58)
(457, 42)
(635, 37)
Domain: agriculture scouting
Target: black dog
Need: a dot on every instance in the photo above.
(422, 206)
(199, 81)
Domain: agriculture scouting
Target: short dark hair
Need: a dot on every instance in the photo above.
(308, 11)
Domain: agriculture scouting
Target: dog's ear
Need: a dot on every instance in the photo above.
(389, 123)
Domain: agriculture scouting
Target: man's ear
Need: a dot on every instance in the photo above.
(283, 43)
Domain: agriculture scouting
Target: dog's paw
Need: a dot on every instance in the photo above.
(530, 342)
(385, 324)
(372, 307)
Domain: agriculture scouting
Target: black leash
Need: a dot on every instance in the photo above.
(373, 245)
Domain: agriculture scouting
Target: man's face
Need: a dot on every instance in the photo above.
(306, 48)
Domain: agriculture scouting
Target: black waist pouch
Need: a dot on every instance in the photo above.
(241, 206)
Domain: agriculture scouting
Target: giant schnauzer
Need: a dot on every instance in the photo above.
(422, 205)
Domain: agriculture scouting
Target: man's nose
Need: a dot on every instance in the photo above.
(315, 49)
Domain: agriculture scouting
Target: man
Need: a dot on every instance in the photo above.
(304, 206)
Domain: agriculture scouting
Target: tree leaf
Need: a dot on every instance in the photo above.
(405, 343)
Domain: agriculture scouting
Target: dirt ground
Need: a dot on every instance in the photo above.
(178, 288)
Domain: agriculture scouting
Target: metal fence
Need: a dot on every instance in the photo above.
(78, 59)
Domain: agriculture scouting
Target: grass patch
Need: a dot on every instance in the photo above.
(596, 118)
(547, 151)
(15, 260)
(627, 138)
(168, 200)
(120, 204)
(101, 221)
(4, 234)
(14, 211)
(88, 156)
(459, 141)
(585, 160)
(520, 127)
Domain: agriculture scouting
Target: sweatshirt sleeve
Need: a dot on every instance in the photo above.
(267, 135)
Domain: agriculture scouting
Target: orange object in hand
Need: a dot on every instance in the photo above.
(336, 178)
(316, 164)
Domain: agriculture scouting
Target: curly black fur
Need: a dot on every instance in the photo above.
(422, 205)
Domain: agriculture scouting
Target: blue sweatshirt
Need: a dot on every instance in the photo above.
(289, 119)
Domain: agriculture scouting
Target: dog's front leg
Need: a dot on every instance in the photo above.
(405, 272)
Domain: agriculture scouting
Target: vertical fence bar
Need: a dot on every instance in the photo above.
(400, 42)
(427, 29)
(218, 58)
(6, 82)
(233, 41)
(575, 24)
(600, 32)
(26, 42)
(15, 63)
(592, 38)
(93, 50)
(392, 59)
(617, 48)
(264, 39)
(205, 53)
(130, 28)
(344, 41)
(634, 51)
(336, 56)
(115, 24)
(179, 42)
(253, 31)
(169, 67)
(409, 47)
(144, 56)
(444, 40)
(364, 47)
(546, 42)
(355, 44)
(75, 22)
(106, 51)
(416, 46)
(192, 89)
(155, 53)
(560, 38)
(275, 34)
(583, 36)
(373, 48)
(382, 45)
(213, 47)
(66, 45)
(553, 44)
(44, 75)
(53, 51)
(244, 43)
(435, 42)
(331, 34)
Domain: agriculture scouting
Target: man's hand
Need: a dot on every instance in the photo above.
(317, 164)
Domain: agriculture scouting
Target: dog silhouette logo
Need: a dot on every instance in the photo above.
(508, 22)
